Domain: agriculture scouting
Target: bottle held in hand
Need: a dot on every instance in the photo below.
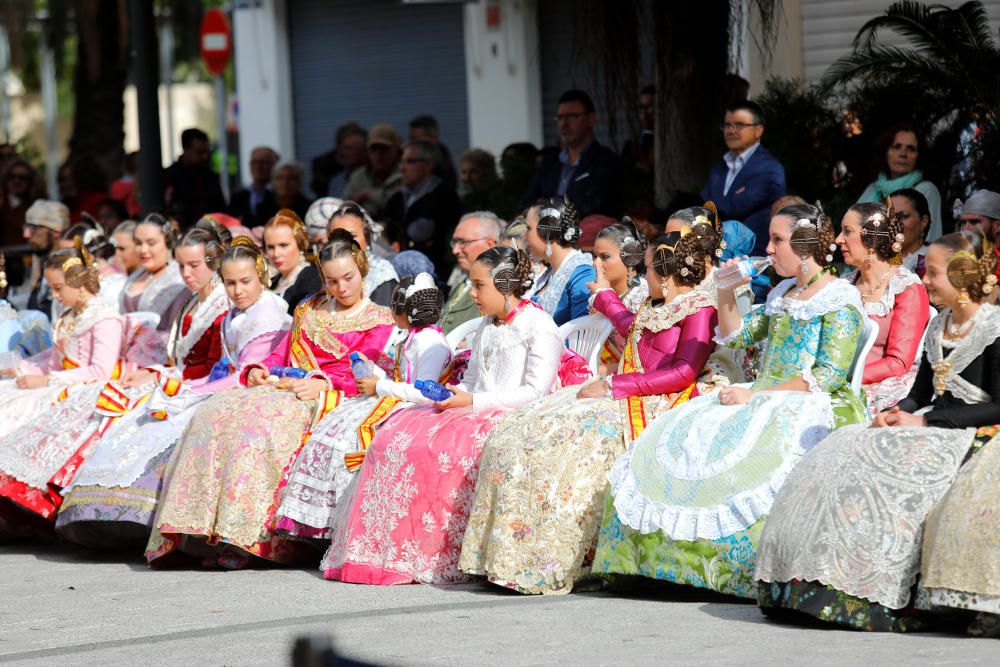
(730, 276)
(432, 390)
(360, 368)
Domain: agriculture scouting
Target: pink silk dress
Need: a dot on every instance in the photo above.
(224, 478)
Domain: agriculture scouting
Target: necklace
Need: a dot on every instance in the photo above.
(866, 294)
(953, 332)
(812, 281)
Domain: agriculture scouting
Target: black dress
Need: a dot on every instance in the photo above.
(307, 283)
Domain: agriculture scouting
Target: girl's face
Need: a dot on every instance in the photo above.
(608, 256)
(484, 293)
(849, 239)
(401, 320)
(152, 247)
(281, 249)
(653, 279)
(243, 286)
(194, 271)
(536, 246)
(914, 225)
(68, 296)
(785, 260)
(343, 280)
(939, 288)
(353, 225)
(126, 252)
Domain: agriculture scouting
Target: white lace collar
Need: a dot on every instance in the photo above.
(983, 331)
(900, 280)
(269, 314)
(552, 283)
(380, 270)
(96, 311)
(835, 295)
(660, 318)
(203, 314)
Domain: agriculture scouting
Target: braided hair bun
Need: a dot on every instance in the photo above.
(812, 232)
(691, 262)
(168, 228)
(510, 270)
(881, 229)
(664, 257)
(972, 265)
(244, 248)
(77, 266)
(558, 222)
(422, 300)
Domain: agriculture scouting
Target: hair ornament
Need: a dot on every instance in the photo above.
(71, 262)
(991, 283)
(504, 277)
(422, 281)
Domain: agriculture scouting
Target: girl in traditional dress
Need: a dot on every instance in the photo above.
(334, 453)
(871, 238)
(405, 521)
(157, 287)
(618, 250)
(88, 339)
(843, 540)
(113, 498)
(542, 479)
(561, 291)
(689, 499)
(222, 482)
(286, 244)
(382, 278)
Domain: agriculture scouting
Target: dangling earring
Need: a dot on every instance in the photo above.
(805, 264)
(963, 297)
(870, 258)
(548, 248)
(664, 288)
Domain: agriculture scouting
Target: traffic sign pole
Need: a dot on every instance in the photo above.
(220, 114)
(216, 48)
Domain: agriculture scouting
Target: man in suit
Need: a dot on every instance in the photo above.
(584, 170)
(255, 205)
(476, 233)
(749, 178)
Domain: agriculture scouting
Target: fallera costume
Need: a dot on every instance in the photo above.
(563, 293)
(540, 492)
(689, 498)
(224, 477)
(851, 554)
(403, 519)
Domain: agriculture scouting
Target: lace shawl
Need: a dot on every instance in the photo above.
(269, 314)
(380, 270)
(552, 285)
(899, 281)
(203, 313)
(159, 294)
(660, 318)
(982, 333)
(96, 311)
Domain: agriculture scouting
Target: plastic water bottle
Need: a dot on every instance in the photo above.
(432, 390)
(287, 372)
(730, 276)
(361, 368)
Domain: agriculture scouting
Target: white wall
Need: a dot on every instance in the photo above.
(263, 79)
(503, 76)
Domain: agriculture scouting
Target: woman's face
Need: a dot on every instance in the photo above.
(849, 239)
(126, 252)
(607, 255)
(902, 154)
(343, 280)
(939, 288)
(353, 225)
(653, 280)
(281, 249)
(152, 247)
(914, 225)
(68, 296)
(785, 260)
(243, 286)
(286, 183)
(488, 299)
(18, 181)
(194, 271)
(536, 246)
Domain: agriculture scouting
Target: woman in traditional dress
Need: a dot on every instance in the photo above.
(382, 278)
(286, 244)
(158, 286)
(88, 341)
(405, 521)
(222, 482)
(561, 291)
(543, 476)
(334, 453)
(871, 239)
(618, 251)
(112, 499)
(689, 499)
(100, 248)
(843, 540)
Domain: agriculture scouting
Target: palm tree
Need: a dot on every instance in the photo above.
(950, 57)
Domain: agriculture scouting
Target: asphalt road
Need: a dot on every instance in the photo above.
(65, 606)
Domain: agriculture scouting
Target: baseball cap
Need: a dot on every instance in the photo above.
(383, 135)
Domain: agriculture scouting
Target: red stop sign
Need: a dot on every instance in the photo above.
(216, 41)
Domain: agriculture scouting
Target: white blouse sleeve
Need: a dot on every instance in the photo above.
(545, 348)
(431, 355)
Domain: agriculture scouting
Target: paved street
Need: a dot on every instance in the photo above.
(64, 606)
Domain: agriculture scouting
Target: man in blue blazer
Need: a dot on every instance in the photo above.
(749, 178)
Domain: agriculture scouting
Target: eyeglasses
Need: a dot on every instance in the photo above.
(568, 116)
(736, 126)
(461, 243)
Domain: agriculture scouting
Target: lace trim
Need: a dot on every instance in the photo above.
(321, 326)
(660, 318)
(807, 375)
(269, 314)
(835, 295)
(203, 315)
(632, 299)
(947, 376)
(96, 311)
(899, 281)
(159, 294)
(380, 271)
(551, 290)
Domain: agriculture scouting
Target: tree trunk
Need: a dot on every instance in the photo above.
(99, 83)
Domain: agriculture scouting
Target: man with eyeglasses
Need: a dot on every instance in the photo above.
(426, 210)
(749, 178)
(584, 170)
(476, 233)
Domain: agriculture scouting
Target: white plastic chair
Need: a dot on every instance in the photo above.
(923, 337)
(463, 332)
(865, 345)
(146, 317)
(586, 336)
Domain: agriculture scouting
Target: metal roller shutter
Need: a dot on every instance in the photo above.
(375, 61)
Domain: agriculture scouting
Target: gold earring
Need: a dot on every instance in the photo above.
(963, 297)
